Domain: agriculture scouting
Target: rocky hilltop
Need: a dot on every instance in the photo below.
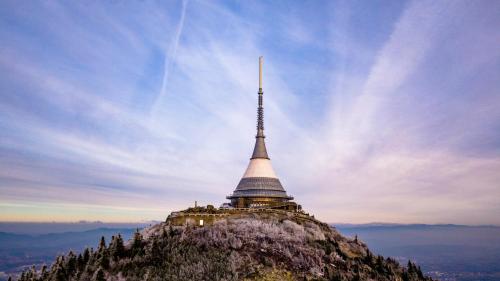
(230, 245)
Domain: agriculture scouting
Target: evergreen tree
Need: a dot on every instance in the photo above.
(120, 248)
(155, 252)
(116, 248)
(102, 244)
(410, 267)
(137, 245)
(71, 264)
(86, 255)
(368, 258)
(356, 276)
(104, 259)
(419, 273)
(79, 262)
(99, 276)
(43, 273)
(93, 256)
(61, 274)
(405, 276)
(33, 273)
(380, 264)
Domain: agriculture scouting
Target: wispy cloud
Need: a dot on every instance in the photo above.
(404, 167)
(170, 56)
(383, 116)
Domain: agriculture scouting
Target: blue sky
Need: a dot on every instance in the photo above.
(375, 110)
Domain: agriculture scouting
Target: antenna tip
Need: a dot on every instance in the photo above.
(261, 60)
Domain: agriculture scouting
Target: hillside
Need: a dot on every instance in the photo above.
(19, 250)
(242, 246)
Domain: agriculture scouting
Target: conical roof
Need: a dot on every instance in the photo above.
(259, 150)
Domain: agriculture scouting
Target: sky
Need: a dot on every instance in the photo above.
(375, 111)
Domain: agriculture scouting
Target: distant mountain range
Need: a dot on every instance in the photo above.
(385, 224)
(37, 228)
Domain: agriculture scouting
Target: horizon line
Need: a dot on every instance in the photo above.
(329, 223)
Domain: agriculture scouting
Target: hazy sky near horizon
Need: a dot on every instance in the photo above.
(383, 111)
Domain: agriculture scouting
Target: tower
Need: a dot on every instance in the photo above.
(260, 187)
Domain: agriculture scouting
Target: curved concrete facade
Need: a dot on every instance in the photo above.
(260, 168)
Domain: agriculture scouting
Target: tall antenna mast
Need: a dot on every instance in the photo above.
(260, 150)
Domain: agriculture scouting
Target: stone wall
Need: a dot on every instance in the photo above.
(186, 218)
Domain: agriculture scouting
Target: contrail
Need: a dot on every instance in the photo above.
(170, 56)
